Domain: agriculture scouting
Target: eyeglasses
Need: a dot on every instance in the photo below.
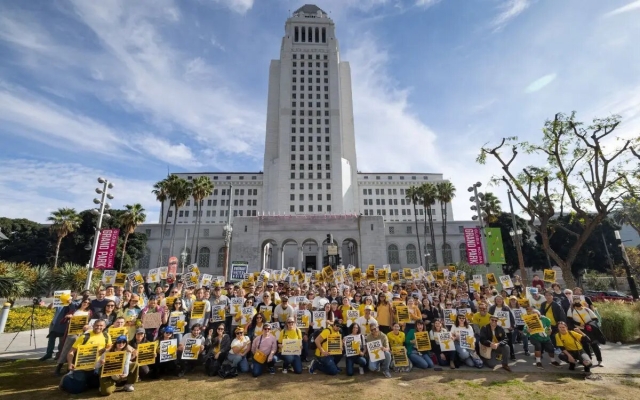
(111, 305)
(239, 333)
(289, 322)
(493, 320)
(266, 328)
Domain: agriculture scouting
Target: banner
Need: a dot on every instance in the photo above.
(107, 247)
(191, 349)
(168, 350)
(291, 347)
(473, 242)
(423, 343)
(399, 355)
(534, 324)
(86, 357)
(77, 323)
(374, 348)
(352, 345)
(495, 247)
(467, 341)
(113, 363)
(61, 298)
(238, 269)
(319, 319)
(147, 353)
(198, 309)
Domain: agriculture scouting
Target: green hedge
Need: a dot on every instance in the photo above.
(620, 322)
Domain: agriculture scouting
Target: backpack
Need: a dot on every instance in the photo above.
(312, 340)
(86, 336)
(227, 371)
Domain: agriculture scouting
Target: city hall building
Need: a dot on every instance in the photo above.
(310, 186)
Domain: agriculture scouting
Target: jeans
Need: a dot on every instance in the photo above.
(361, 361)
(422, 361)
(295, 361)
(52, 343)
(108, 385)
(493, 362)
(448, 356)
(239, 361)
(384, 364)
(305, 350)
(463, 355)
(257, 369)
(328, 365)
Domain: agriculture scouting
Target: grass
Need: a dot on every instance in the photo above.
(30, 379)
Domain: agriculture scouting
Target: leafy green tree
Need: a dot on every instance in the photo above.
(491, 207)
(129, 221)
(64, 221)
(160, 190)
(628, 213)
(573, 168)
(28, 242)
(178, 191)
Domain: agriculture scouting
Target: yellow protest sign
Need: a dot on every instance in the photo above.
(371, 275)
(402, 314)
(356, 275)
(61, 298)
(147, 353)
(291, 347)
(115, 332)
(395, 276)
(533, 322)
(407, 274)
(76, 323)
(524, 303)
(86, 357)
(135, 278)
(191, 349)
(382, 275)
(113, 363)
(198, 309)
(327, 273)
(399, 355)
(446, 343)
(352, 315)
(302, 319)
(439, 276)
(334, 344)
(168, 301)
(491, 279)
(352, 345)
(423, 343)
(374, 348)
(451, 268)
(549, 276)
(168, 350)
(121, 279)
(506, 282)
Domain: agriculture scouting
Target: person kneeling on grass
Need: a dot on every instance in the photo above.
(108, 383)
(240, 347)
(325, 362)
(382, 364)
(494, 337)
(359, 357)
(264, 347)
(542, 341)
(290, 332)
(572, 352)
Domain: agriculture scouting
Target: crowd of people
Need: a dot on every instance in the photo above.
(385, 327)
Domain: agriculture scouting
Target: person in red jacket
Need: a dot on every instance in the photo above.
(537, 282)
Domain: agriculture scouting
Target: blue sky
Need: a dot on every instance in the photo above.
(127, 90)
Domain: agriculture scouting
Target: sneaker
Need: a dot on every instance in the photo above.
(506, 368)
(45, 357)
(527, 354)
(361, 370)
(128, 388)
(555, 363)
(387, 374)
(572, 367)
(312, 366)
(284, 370)
(539, 365)
(272, 370)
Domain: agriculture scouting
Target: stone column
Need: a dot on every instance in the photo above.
(319, 259)
(300, 259)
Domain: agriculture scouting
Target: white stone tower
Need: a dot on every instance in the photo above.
(310, 152)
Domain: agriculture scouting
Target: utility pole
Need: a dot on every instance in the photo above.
(517, 237)
(606, 249)
(106, 185)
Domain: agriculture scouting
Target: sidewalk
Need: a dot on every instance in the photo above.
(618, 359)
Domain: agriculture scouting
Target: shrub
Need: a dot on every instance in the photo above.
(18, 315)
(620, 322)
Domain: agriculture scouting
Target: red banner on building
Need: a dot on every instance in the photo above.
(107, 248)
(473, 241)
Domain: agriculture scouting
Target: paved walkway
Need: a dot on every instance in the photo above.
(618, 359)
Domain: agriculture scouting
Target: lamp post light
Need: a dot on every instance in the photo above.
(106, 185)
(627, 266)
(478, 200)
(227, 230)
(516, 235)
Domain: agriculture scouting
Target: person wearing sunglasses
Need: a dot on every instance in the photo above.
(382, 365)
(264, 348)
(325, 362)
(131, 313)
(110, 313)
(466, 356)
(290, 331)
(240, 347)
(219, 347)
(83, 309)
(138, 339)
(495, 337)
(130, 375)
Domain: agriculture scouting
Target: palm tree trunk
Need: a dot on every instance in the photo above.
(425, 238)
(433, 235)
(415, 218)
(55, 260)
(443, 210)
(193, 237)
(162, 228)
(124, 250)
(198, 222)
(173, 229)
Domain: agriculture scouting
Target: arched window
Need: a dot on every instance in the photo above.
(431, 258)
(203, 257)
(463, 252)
(165, 257)
(411, 254)
(220, 258)
(393, 255)
(144, 262)
(446, 254)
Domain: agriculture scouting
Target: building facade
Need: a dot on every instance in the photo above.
(311, 186)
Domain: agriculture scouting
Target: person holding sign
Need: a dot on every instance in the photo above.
(466, 355)
(154, 315)
(367, 320)
(290, 332)
(517, 312)
(396, 337)
(418, 346)
(82, 312)
(325, 362)
(384, 310)
(129, 369)
(354, 347)
(500, 306)
(495, 338)
(186, 365)
(166, 359)
(553, 311)
(385, 349)
(264, 349)
(97, 337)
(142, 361)
(572, 352)
(542, 340)
(586, 320)
(219, 347)
(240, 347)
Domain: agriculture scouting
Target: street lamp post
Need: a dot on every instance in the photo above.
(106, 185)
(226, 234)
(516, 234)
(627, 266)
(183, 254)
(478, 199)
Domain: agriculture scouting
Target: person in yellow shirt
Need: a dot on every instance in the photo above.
(290, 332)
(572, 352)
(396, 336)
(367, 301)
(96, 337)
(482, 317)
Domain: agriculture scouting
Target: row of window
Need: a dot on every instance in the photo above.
(310, 186)
(301, 130)
(215, 177)
(307, 34)
(310, 95)
(318, 139)
(309, 88)
(381, 191)
(310, 147)
(310, 175)
(327, 157)
(310, 64)
(426, 178)
(310, 167)
(309, 72)
(292, 208)
(309, 56)
(292, 197)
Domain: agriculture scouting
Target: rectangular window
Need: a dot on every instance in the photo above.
(329, 197)
(181, 213)
(329, 208)
(301, 208)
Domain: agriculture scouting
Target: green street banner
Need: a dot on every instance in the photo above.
(494, 246)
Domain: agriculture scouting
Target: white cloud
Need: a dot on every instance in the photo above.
(540, 83)
(162, 149)
(426, 3)
(634, 5)
(239, 6)
(32, 189)
(510, 10)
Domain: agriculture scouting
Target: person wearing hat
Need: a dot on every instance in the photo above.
(494, 337)
(138, 338)
(383, 365)
(514, 305)
(167, 367)
(367, 320)
(283, 311)
(240, 347)
(325, 362)
(188, 365)
(108, 383)
(290, 331)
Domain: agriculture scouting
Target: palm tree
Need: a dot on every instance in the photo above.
(491, 208)
(428, 195)
(201, 187)
(628, 213)
(130, 220)
(160, 190)
(178, 191)
(413, 196)
(446, 193)
(64, 221)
